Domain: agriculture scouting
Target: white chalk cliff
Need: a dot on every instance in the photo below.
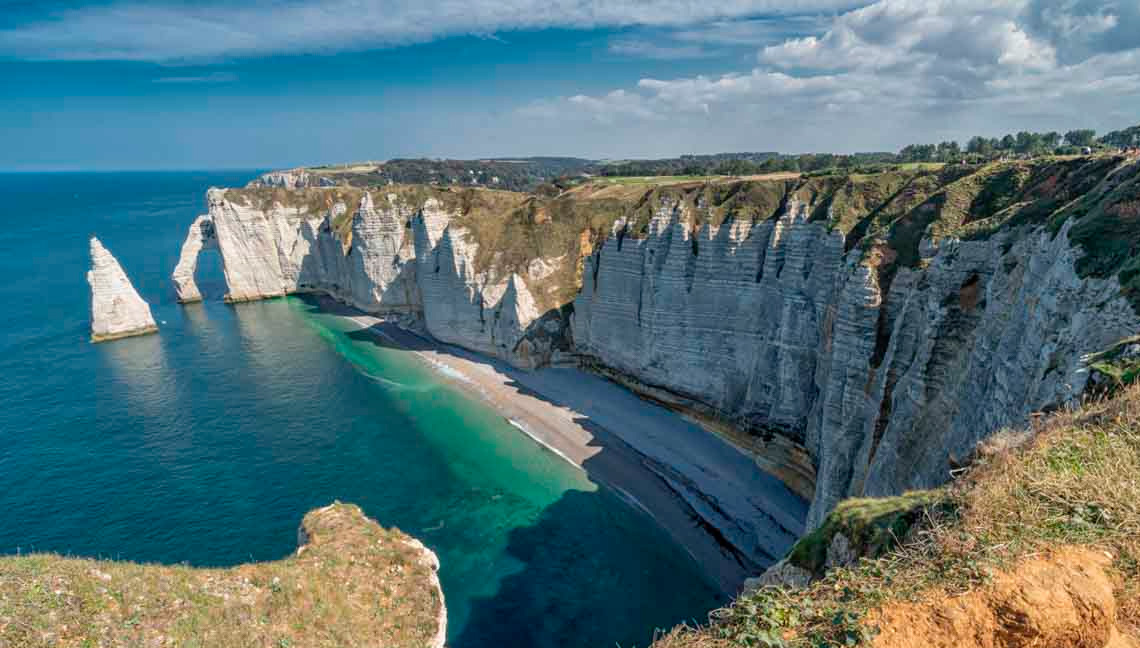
(860, 361)
(404, 259)
(117, 311)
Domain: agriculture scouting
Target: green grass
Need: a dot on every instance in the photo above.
(1072, 484)
(873, 526)
(658, 180)
(354, 583)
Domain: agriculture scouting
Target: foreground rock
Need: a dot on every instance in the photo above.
(350, 582)
(117, 311)
(1064, 599)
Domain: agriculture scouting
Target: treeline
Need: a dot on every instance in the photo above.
(523, 174)
(1024, 143)
(686, 165)
(731, 164)
(977, 149)
(1127, 138)
(555, 173)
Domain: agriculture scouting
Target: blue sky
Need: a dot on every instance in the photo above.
(120, 84)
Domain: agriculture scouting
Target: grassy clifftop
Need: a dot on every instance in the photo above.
(1047, 519)
(351, 583)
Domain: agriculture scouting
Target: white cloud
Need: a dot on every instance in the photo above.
(906, 70)
(664, 51)
(136, 30)
(213, 77)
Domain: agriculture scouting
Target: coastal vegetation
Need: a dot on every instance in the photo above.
(351, 583)
(544, 174)
(1064, 489)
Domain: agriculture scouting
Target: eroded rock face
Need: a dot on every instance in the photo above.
(878, 375)
(291, 179)
(404, 258)
(200, 237)
(1065, 599)
(117, 311)
(774, 326)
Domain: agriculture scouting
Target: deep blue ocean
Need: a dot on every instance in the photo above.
(207, 443)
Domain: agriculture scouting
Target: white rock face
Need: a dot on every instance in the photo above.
(773, 326)
(461, 305)
(405, 259)
(291, 179)
(380, 267)
(200, 237)
(117, 311)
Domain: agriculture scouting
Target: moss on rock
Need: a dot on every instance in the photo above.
(872, 527)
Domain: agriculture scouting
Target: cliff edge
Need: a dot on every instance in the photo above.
(1037, 544)
(350, 582)
(117, 311)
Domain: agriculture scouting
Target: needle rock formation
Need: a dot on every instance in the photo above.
(117, 311)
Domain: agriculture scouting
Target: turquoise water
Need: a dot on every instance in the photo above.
(206, 444)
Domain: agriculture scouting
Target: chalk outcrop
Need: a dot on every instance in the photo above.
(403, 258)
(117, 311)
(200, 237)
(864, 332)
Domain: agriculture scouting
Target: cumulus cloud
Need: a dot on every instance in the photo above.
(137, 30)
(951, 65)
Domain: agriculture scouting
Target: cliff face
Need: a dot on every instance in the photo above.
(384, 252)
(888, 369)
(117, 311)
(863, 331)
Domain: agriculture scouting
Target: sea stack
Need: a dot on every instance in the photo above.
(117, 311)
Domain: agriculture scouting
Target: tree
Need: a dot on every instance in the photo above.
(1123, 138)
(980, 145)
(1008, 143)
(1082, 137)
(948, 151)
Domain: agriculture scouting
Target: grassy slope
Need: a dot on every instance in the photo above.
(353, 584)
(1071, 482)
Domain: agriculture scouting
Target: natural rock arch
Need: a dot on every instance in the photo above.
(200, 237)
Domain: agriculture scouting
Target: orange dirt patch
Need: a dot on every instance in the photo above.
(1062, 600)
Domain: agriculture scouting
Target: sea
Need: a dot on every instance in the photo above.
(206, 443)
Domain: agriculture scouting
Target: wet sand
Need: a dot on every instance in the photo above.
(731, 516)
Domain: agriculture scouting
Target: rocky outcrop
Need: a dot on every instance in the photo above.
(292, 179)
(888, 375)
(117, 311)
(865, 331)
(350, 582)
(200, 237)
(1064, 599)
(403, 257)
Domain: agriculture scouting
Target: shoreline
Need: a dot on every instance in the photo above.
(710, 497)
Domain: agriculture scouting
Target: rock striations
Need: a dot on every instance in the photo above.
(863, 332)
(117, 311)
(404, 258)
